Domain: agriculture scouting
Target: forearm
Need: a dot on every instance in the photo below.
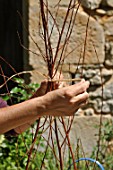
(24, 127)
(20, 114)
(60, 102)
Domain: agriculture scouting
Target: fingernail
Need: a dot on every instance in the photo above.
(82, 80)
(88, 83)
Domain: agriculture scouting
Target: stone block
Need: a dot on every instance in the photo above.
(75, 48)
(86, 128)
(102, 100)
(91, 4)
(107, 3)
(108, 26)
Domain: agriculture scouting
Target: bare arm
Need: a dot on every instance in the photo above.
(18, 130)
(61, 102)
(40, 92)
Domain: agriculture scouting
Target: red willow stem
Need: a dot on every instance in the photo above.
(85, 43)
(51, 87)
(67, 131)
(55, 23)
(100, 127)
(51, 63)
(9, 65)
(13, 69)
(57, 4)
(48, 48)
(61, 34)
(58, 144)
(25, 48)
(52, 150)
(69, 144)
(4, 78)
(41, 52)
(43, 130)
(46, 148)
(84, 156)
(50, 131)
(51, 128)
(33, 142)
(69, 31)
(66, 38)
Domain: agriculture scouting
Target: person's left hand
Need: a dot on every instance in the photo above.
(44, 85)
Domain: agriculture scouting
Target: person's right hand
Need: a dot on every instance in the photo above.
(66, 101)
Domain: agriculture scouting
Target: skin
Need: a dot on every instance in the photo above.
(60, 102)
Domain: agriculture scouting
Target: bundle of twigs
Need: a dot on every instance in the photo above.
(54, 57)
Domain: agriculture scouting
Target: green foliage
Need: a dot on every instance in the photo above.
(14, 151)
(106, 146)
(86, 165)
(22, 91)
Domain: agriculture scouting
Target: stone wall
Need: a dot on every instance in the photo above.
(98, 62)
(97, 70)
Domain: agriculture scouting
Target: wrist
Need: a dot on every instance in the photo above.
(40, 106)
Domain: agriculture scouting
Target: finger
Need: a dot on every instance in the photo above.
(81, 88)
(83, 104)
(76, 89)
(82, 80)
(81, 98)
(80, 105)
(42, 89)
(62, 84)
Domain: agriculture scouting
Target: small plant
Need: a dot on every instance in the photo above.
(22, 91)
(106, 145)
(13, 150)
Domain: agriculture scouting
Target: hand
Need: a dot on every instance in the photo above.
(66, 101)
(59, 83)
(41, 90)
(44, 84)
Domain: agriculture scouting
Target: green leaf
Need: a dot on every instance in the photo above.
(6, 97)
(15, 90)
(19, 80)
